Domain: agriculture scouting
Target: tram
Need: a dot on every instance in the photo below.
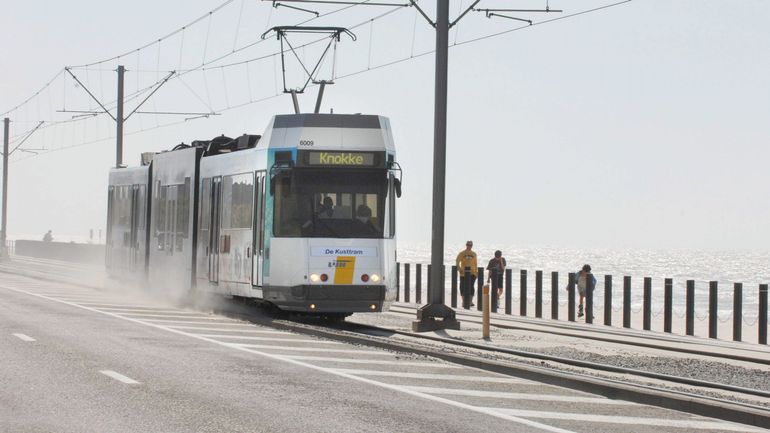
(302, 217)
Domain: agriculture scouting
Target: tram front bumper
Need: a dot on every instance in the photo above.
(328, 298)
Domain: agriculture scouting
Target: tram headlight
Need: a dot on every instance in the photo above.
(365, 278)
(315, 278)
(375, 278)
(324, 277)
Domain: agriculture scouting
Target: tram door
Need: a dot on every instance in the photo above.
(216, 224)
(259, 228)
(132, 254)
(138, 230)
(170, 223)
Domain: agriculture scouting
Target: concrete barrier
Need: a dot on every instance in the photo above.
(65, 251)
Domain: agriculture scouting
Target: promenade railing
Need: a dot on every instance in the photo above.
(655, 300)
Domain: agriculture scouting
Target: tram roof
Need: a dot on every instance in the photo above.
(317, 120)
(348, 132)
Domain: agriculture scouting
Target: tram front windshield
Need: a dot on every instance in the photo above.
(333, 204)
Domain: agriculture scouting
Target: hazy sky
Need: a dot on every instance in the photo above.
(641, 125)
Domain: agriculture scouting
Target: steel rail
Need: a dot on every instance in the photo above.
(574, 362)
(378, 332)
(660, 396)
(618, 340)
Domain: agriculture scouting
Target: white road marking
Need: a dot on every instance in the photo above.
(341, 373)
(609, 419)
(248, 331)
(102, 304)
(174, 316)
(246, 337)
(450, 377)
(519, 396)
(73, 298)
(119, 377)
(24, 337)
(146, 310)
(373, 361)
(184, 322)
(308, 349)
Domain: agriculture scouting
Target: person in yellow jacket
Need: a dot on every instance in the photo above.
(467, 258)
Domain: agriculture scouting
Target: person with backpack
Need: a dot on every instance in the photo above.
(497, 263)
(585, 282)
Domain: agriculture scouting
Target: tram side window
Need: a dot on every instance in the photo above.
(238, 201)
(122, 214)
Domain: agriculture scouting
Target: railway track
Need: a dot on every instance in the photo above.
(720, 400)
(687, 345)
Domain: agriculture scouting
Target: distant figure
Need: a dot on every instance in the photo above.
(585, 281)
(498, 262)
(467, 258)
(363, 213)
(48, 237)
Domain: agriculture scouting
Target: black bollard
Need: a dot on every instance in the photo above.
(762, 318)
(538, 294)
(647, 304)
(571, 297)
(523, 294)
(480, 287)
(398, 281)
(418, 284)
(493, 290)
(713, 309)
(454, 286)
(608, 300)
(626, 302)
(407, 282)
(589, 302)
(737, 311)
(668, 299)
(690, 308)
(508, 291)
(427, 286)
(555, 295)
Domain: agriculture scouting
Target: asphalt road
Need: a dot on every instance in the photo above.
(76, 359)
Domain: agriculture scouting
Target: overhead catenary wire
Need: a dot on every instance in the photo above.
(184, 72)
(179, 68)
(45, 86)
(149, 44)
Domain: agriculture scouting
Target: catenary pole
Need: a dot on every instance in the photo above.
(119, 119)
(436, 309)
(6, 125)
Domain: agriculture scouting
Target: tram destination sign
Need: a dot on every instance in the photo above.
(343, 159)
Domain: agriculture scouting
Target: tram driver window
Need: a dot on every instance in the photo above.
(340, 204)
